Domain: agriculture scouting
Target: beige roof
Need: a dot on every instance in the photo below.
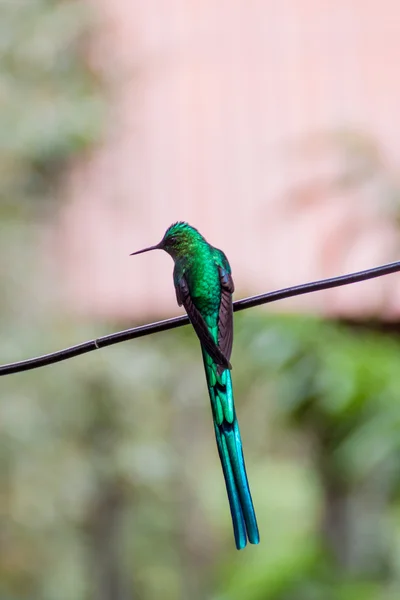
(271, 126)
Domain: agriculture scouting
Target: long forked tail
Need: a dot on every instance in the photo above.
(230, 451)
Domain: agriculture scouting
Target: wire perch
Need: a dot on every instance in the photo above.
(143, 330)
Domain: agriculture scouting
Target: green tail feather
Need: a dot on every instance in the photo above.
(231, 454)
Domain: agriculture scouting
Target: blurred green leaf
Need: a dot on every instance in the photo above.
(50, 102)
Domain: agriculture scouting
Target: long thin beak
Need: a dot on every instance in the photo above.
(156, 247)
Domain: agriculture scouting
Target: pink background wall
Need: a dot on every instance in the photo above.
(241, 117)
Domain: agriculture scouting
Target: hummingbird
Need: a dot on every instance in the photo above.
(204, 286)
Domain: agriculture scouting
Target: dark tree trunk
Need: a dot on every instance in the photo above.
(108, 577)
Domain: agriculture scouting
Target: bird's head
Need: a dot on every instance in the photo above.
(179, 240)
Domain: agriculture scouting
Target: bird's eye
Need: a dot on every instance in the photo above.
(172, 239)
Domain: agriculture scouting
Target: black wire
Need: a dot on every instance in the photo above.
(142, 330)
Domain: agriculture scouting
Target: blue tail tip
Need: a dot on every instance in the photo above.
(242, 542)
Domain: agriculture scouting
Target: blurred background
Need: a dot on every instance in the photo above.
(272, 127)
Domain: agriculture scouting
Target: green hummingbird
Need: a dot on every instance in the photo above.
(204, 286)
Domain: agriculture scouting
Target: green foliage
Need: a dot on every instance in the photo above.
(135, 420)
(50, 106)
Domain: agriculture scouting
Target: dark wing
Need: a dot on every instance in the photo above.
(225, 317)
(200, 326)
